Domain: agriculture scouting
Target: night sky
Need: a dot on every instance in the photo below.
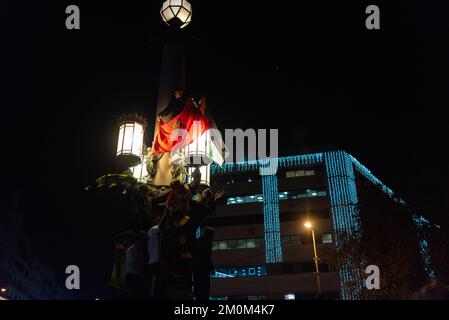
(309, 68)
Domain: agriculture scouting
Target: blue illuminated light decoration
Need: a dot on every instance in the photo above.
(273, 246)
(342, 192)
(272, 226)
(421, 224)
(283, 162)
(240, 271)
(368, 175)
(198, 233)
(345, 214)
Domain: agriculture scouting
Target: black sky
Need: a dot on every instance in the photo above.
(309, 68)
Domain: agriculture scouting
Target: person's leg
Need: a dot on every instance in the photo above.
(153, 272)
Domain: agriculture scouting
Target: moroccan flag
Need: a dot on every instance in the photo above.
(190, 119)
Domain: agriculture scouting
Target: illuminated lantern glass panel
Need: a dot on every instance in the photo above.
(205, 174)
(130, 141)
(198, 152)
(140, 171)
(177, 13)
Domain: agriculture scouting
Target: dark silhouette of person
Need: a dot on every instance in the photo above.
(202, 265)
(176, 105)
(135, 267)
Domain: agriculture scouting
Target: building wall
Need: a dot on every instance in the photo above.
(23, 275)
(323, 188)
(246, 221)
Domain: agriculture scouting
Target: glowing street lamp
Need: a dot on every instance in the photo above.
(140, 171)
(308, 225)
(205, 174)
(130, 139)
(177, 13)
(197, 154)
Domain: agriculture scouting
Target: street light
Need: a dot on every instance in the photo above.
(3, 290)
(197, 154)
(130, 139)
(176, 13)
(308, 225)
(205, 174)
(140, 171)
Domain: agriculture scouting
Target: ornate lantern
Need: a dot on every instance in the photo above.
(130, 139)
(197, 154)
(140, 171)
(205, 174)
(177, 13)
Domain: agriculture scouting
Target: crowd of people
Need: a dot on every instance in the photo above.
(148, 264)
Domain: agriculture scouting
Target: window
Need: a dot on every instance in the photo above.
(240, 271)
(327, 238)
(238, 244)
(292, 240)
(290, 174)
(306, 238)
(255, 298)
(245, 199)
(241, 244)
(310, 172)
(298, 239)
(295, 240)
(289, 296)
(285, 240)
(232, 244)
(218, 298)
(222, 245)
(299, 173)
(285, 195)
(251, 243)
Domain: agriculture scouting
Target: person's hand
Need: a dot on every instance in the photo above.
(218, 195)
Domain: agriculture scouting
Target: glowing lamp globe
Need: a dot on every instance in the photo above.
(197, 154)
(205, 174)
(177, 13)
(130, 140)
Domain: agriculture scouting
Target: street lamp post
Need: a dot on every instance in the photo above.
(308, 225)
(130, 139)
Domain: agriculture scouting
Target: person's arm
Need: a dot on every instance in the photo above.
(167, 110)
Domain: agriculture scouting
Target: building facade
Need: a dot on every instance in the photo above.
(23, 276)
(262, 249)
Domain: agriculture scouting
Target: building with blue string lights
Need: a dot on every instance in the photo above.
(261, 248)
